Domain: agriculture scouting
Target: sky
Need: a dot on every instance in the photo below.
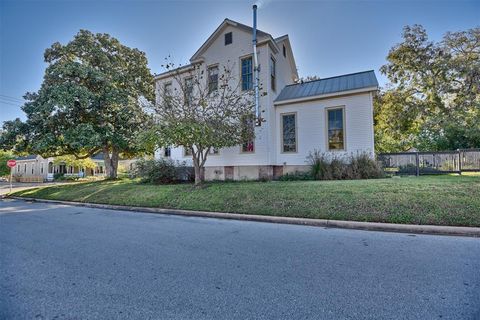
(328, 37)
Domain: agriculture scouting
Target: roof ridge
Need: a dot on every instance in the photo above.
(321, 79)
(247, 26)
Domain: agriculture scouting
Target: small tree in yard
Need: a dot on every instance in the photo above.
(91, 100)
(204, 111)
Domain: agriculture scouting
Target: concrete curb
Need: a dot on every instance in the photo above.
(371, 226)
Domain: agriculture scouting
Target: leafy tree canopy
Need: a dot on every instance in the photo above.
(92, 99)
(433, 100)
(4, 157)
(70, 160)
(202, 113)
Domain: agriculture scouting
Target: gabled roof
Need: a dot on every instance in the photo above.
(260, 34)
(329, 86)
(291, 57)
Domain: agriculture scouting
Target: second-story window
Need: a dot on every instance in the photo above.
(228, 38)
(212, 78)
(273, 71)
(167, 88)
(247, 74)
(188, 90)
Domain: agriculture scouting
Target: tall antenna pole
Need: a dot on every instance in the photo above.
(255, 67)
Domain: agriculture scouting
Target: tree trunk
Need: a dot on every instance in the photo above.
(111, 163)
(198, 175)
(198, 165)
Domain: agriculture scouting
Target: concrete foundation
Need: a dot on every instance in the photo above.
(239, 173)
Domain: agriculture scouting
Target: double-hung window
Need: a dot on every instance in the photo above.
(167, 88)
(247, 74)
(289, 132)
(273, 72)
(212, 78)
(187, 152)
(167, 152)
(248, 145)
(336, 128)
(188, 90)
(214, 151)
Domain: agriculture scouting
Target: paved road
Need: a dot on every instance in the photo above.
(63, 262)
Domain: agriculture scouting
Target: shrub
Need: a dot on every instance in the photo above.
(162, 171)
(58, 176)
(363, 166)
(409, 168)
(318, 165)
(334, 167)
(296, 176)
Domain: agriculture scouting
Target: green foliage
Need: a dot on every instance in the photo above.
(162, 171)
(332, 167)
(433, 101)
(190, 115)
(4, 157)
(92, 99)
(72, 161)
(62, 177)
(296, 176)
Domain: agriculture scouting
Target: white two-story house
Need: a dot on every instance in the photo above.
(333, 115)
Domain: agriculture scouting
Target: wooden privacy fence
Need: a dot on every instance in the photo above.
(435, 162)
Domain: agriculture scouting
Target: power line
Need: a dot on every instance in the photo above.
(5, 97)
(10, 103)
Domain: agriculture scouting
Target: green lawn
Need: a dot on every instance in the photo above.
(440, 200)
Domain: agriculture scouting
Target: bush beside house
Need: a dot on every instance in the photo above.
(327, 167)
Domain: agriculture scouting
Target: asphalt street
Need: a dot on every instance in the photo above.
(67, 262)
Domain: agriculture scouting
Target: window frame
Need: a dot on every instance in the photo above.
(344, 129)
(165, 85)
(284, 51)
(165, 152)
(185, 154)
(225, 38)
(250, 57)
(253, 142)
(213, 153)
(213, 66)
(273, 78)
(188, 94)
(282, 150)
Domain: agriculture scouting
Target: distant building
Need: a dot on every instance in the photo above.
(34, 168)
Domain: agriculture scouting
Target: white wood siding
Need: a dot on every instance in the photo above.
(312, 131)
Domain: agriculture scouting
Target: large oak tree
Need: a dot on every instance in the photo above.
(92, 100)
(433, 99)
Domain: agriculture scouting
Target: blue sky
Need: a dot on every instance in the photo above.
(328, 37)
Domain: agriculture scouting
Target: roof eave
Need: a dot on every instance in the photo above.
(326, 96)
(169, 73)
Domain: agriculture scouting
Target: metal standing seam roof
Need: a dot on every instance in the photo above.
(347, 82)
(29, 157)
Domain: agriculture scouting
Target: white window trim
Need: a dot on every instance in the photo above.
(344, 129)
(281, 132)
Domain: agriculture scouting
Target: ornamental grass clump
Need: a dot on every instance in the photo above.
(324, 166)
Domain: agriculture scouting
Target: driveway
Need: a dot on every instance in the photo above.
(66, 262)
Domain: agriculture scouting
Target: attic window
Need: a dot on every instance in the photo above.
(284, 51)
(228, 38)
